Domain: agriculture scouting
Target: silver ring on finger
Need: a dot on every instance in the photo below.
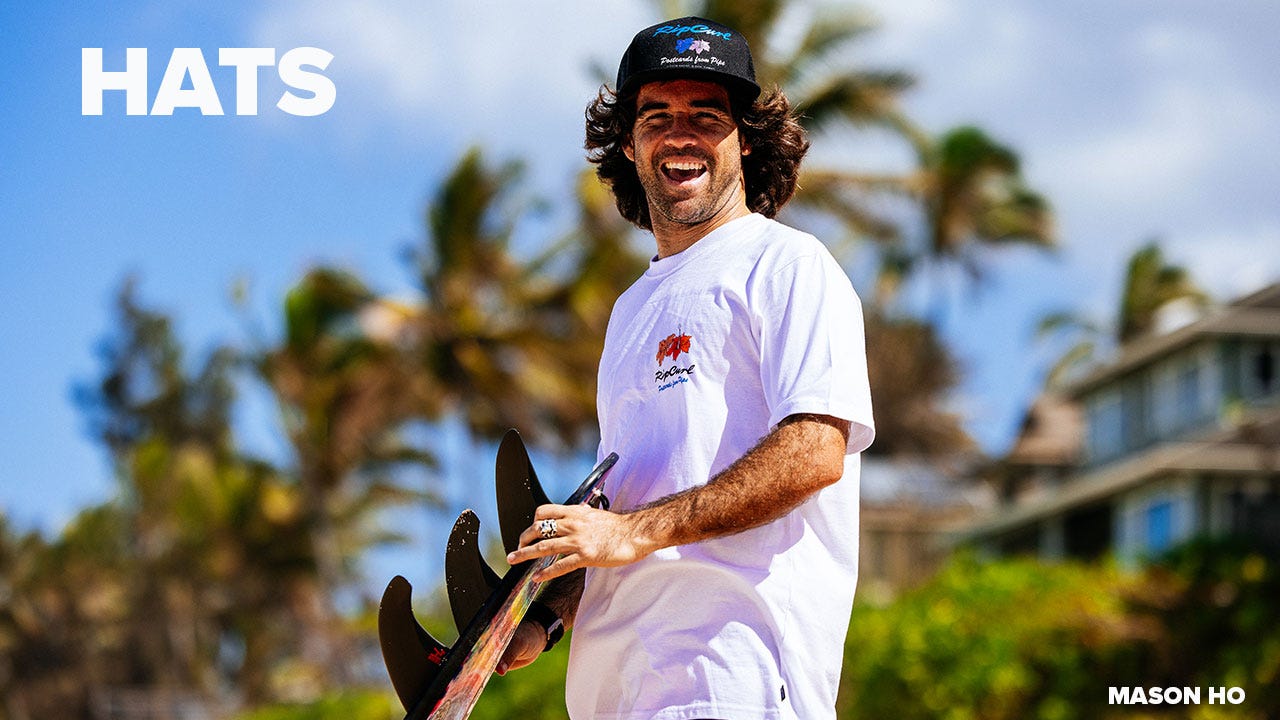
(547, 528)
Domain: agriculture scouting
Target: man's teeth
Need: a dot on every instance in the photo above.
(690, 166)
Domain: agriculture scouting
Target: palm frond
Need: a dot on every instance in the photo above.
(755, 20)
(829, 33)
(862, 98)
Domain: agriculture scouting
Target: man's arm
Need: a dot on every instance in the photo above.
(804, 454)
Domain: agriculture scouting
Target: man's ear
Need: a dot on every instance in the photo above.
(629, 148)
(746, 148)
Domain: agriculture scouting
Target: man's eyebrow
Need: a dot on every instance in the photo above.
(713, 103)
(652, 105)
(710, 103)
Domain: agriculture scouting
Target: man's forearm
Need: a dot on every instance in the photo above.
(804, 454)
(801, 456)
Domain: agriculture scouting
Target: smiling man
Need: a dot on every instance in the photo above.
(688, 155)
(733, 385)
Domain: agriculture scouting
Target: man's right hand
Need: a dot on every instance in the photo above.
(526, 645)
(585, 537)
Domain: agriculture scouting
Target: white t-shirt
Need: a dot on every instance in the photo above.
(704, 355)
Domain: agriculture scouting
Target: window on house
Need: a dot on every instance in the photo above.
(1188, 393)
(1159, 526)
(1261, 371)
(1106, 437)
(1164, 400)
(1135, 413)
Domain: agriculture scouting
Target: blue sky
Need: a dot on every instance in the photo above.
(1136, 119)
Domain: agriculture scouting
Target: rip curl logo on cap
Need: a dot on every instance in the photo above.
(697, 46)
(697, 29)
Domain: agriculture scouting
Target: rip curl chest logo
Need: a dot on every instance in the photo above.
(673, 346)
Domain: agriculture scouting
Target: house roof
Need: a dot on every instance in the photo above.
(1257, 314)
(1051, 433)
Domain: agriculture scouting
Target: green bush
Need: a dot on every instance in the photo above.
(1022, 639)
(352, 704)
(535, 692)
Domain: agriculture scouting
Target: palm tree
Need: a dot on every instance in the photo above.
(600, 259)
(346, 391)
(512, 342)
(474, 325)
(495, 340)
(61, 625)
(146, 390)
(148, 408)
(974, 196)
(204, 546)
(1150, 284)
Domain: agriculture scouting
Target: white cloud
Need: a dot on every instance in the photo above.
(964, 53)
(1008, 43)
(1230, 261)
(467, 71)
(910, 23)
(1156, 152)
(1174, 148)
(1178, 46)
(390, 50)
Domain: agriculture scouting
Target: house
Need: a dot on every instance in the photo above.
(1178, 436)
(909, 509)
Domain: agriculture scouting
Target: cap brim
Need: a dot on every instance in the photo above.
(738, 87)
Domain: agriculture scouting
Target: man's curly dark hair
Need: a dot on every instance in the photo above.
(769, 127)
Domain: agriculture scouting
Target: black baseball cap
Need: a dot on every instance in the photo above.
(689, 47)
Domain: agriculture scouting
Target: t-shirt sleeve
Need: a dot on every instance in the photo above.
(813, 356)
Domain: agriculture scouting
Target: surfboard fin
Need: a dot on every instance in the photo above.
(518, 489)
(412, 656)
(469, 579)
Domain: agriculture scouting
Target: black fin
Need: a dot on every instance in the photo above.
(468, 578)
(412, 656)
(519, 492)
